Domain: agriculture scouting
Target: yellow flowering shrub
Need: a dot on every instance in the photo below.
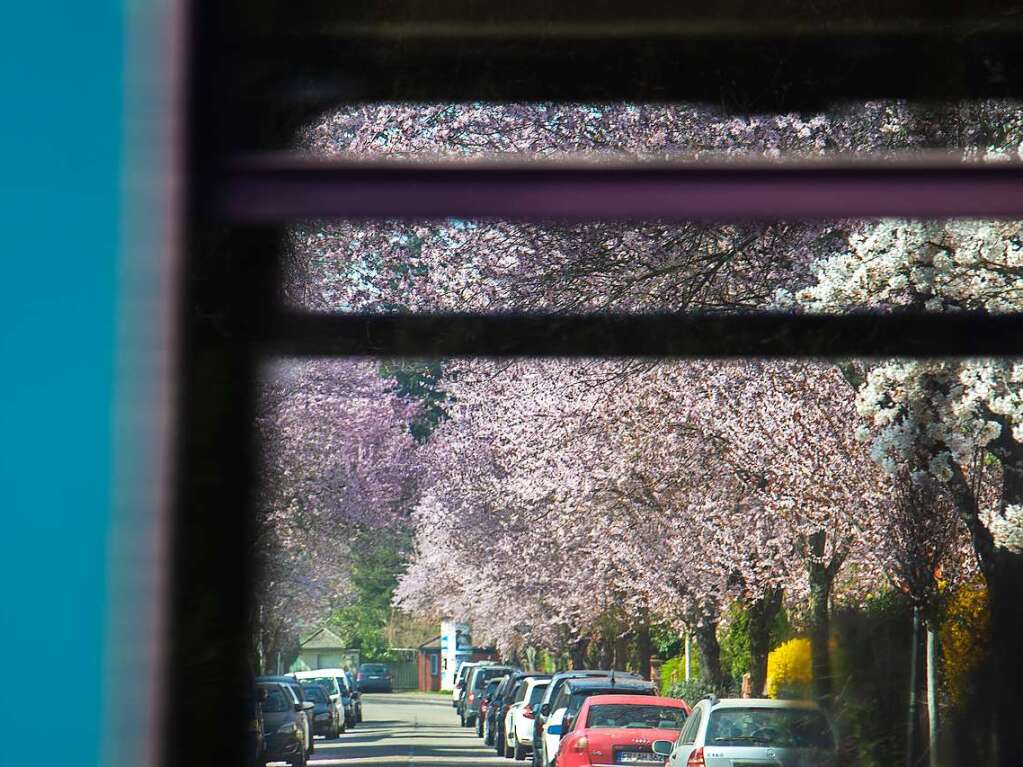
(961, 634)
(788, 667)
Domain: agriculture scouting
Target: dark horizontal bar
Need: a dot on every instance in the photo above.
(666, 335)
(261, 191)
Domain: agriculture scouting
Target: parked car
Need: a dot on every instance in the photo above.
(474, 687)
(722, 733)
(496, 707)
(255, 730)
(520, 717)
(340, 690)
(328, 716)
(553, 688)
(569, 701)
(461, 676)
(505, 695)
(355, 697)
(485, 698)
(373, 677)
(294, 688)
(619, 729)
(283, 720)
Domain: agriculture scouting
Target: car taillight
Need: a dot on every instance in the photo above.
(471, 697)
(696, 759)
(580, 745)
(361, 676)
(527, 712)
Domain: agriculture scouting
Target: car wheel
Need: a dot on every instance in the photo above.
(509, 752)
(519, 751)
(300, 760)
(479, 726)
(461, 719)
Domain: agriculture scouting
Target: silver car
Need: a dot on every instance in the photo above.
(753, 732)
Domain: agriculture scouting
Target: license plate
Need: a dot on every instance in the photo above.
(639, 757)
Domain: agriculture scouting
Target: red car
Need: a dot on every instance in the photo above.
(620, 730)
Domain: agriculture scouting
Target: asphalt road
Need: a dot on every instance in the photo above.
(407, 729)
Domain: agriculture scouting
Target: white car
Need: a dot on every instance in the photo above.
(518, 722)
(722, 733)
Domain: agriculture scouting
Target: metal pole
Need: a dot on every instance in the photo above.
(688, 666)
(911, 719)
(932, 697)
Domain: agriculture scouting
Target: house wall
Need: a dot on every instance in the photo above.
(429, 666)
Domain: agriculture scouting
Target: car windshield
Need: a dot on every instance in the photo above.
(782, 727)
(536, 694)
(276, 701)
(314, 693)
(636, 716)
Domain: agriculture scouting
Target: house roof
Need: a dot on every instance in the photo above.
(323, 639)
(433, 644)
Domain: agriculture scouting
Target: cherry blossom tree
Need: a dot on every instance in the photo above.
(338, 457)
(961, 419)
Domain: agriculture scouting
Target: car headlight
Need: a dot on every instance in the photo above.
(286, 729)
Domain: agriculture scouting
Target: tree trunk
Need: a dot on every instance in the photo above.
(911, 714)
(644, 649)
(1003, 571)
(710, 653)
(761, 616)
(577, 651)
(821, 580)
(621, 652)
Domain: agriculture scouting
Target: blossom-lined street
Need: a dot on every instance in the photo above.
(408, 730)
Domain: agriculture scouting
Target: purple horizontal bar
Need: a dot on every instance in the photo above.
(274, 190)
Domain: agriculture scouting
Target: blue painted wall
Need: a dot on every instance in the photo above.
(60, 136)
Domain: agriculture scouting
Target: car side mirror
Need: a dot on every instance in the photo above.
(545, 709)
(566, 724)
(662, 747)
(307, 705)
(555, 729)
(261, 695)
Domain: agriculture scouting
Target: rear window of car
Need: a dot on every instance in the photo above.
(780, 727)
(315, 693)
(636, 716)
(331, 683)
(374, 669)
(486, 674)
(276, 701)
(536, 694)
